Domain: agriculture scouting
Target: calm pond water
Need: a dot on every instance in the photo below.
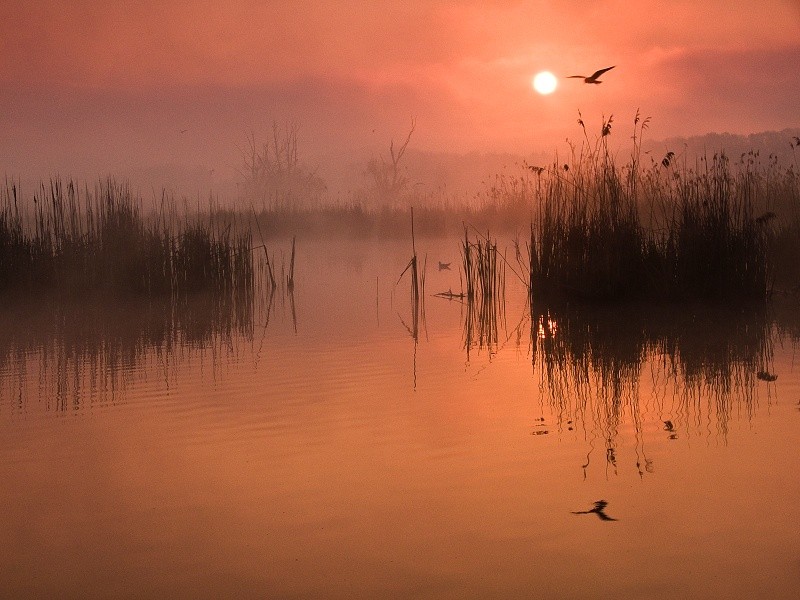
(311, 447)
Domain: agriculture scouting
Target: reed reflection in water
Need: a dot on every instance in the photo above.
(684, 367)
(318, 441)
(676, 367)
(78, 352)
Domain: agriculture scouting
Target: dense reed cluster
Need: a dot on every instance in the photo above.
(74, 241)
(483, 268)
(604, 232)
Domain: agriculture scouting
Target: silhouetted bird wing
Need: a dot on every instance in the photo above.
(600, 505)
(597, 74)
(576, 77)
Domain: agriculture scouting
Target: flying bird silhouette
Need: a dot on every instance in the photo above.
(599, 510)
(593, 78)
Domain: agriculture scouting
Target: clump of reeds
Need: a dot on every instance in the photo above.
(586, 239)
(74, 240)
(483, 267)
(484, 279)
(713, 243)
(604, 232)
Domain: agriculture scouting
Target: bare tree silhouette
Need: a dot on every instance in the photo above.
(273, 173)
(388, 179)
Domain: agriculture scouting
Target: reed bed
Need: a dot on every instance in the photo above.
(77, 240)
(602, 232)
(484, 273)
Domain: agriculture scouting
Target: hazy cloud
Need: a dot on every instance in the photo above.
(102, 82)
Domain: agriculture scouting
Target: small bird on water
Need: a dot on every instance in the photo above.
(594, 77)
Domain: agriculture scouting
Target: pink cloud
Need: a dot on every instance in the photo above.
(120, 79)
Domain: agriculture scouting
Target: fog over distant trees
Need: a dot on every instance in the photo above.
(782, 146)
(283, 165)
(461, 176)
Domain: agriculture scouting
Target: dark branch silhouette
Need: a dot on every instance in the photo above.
(599, 510)
(594, 77)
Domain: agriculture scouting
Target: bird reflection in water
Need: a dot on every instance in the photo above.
(670, 427)
(599, 509)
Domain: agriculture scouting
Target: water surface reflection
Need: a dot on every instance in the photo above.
(68, 352)
(308, 446)
(689, 368)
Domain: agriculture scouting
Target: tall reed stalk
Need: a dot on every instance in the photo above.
(417, 285)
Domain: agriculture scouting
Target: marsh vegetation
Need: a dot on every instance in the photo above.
(672, 227)
(586, 227)
(668, 231)
(76, 240)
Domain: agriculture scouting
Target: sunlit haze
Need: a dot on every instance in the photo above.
(399, 299)
(90, 88)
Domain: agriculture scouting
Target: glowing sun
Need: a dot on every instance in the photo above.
(545, 82)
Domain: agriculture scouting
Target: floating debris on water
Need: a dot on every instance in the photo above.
(450, 295)
(539, 424)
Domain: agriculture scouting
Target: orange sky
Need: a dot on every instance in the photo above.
(94, 86)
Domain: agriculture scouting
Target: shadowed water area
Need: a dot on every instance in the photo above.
(338, 440)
